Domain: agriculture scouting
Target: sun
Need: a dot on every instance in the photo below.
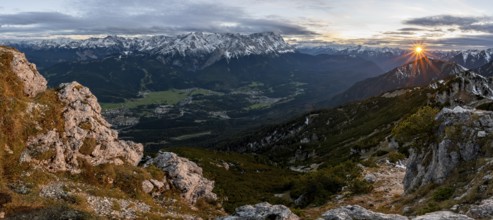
(418, 50)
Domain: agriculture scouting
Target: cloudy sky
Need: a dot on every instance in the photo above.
(445, 24)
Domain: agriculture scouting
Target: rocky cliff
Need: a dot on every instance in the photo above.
(86, 135)
(462, 136)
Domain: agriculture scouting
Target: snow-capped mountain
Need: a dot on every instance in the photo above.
(418, 73)
(209, 46)
(473, 58)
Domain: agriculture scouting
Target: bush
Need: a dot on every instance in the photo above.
(395, 156)
(315, 188)
(443, 193)
(417, 127)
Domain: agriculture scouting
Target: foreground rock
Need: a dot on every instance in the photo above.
(482, 211)
(262, 211)
(86, 135)
(442, 215)
(357, 212)
(184, 175)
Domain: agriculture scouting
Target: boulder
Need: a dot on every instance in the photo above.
(262, 211)
(184, 175)
(147, 186)
(356, 212)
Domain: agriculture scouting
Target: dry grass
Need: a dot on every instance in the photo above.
(88, 146)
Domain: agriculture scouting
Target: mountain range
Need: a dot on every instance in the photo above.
(206, 48)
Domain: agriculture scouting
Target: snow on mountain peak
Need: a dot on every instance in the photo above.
(195, 43)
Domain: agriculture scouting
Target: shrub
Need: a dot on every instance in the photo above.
(395, 156)
(316, 188)
(418, 127)
(443, 193)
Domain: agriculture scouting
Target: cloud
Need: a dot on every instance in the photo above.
(411, 29)
(464, 23)
(479, 41)
(443, 20)
(128, 17)
(399, 33)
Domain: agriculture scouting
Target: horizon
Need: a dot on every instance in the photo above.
(336, 45)
(442, 25)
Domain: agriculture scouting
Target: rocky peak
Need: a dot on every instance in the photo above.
(34, 83)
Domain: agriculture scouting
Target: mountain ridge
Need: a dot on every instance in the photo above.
(417, 73)
(209, 47)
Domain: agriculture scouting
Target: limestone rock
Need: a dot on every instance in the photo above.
(370, 177)
(34, 83)
(442, 215)
(184, 175)
(158, 184)
(483, 210)
(458, 142)
(147, 186)
(262, 211)
(86, 135)
(125, 209)
(357, 212)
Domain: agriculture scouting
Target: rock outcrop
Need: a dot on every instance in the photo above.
(466, 88)
(34, 83)
(460, 135)
(184, 175)
(482, 211)
(357, 212)
(442, 215)
(262, 211)
(86, 135)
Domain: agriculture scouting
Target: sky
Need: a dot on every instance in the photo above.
(450, 24)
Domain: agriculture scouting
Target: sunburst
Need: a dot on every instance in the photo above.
(418, 55)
